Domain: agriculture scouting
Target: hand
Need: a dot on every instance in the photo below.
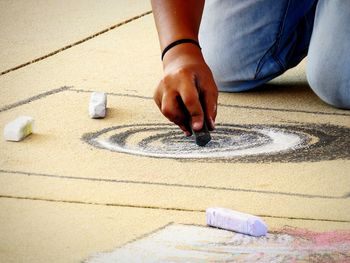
(187, 93)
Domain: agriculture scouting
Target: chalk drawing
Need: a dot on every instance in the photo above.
(230, 143)
(189, 243)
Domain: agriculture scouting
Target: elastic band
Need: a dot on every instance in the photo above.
(177, 42)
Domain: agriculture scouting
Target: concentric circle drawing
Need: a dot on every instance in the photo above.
(230, 143)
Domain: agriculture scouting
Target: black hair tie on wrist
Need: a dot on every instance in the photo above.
(177, 42)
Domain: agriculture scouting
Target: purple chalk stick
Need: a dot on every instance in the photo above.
(236, 221)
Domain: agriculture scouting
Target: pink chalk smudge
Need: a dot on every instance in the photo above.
(329, 238)
(330, 246)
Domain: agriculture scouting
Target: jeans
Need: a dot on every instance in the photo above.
(249, 42)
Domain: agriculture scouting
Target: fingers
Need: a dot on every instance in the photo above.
(171, 106)
(187, 98)
(172, 110)
(209, 98)
(190, 98)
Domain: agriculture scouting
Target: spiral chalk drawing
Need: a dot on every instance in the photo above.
(230, 143)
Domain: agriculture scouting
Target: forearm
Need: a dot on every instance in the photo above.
(177, 19)
(187, 94)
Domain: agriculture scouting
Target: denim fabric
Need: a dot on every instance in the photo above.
(328, 69)
(248, 42)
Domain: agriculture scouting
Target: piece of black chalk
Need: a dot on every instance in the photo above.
(202, 136)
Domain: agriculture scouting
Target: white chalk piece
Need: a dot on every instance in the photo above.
(236, 221)
(19, 128)
(97, 106)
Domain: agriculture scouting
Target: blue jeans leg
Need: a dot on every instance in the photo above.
(328, 69)
(248, 42)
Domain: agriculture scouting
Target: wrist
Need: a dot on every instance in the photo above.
(185, 53)
(179, 42)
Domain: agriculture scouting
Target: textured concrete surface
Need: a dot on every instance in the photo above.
(103, 63)
(31, 29)
(62, 199)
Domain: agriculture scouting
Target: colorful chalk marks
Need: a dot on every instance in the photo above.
(230, 143)
(188, 243)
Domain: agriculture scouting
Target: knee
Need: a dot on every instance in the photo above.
(330, 81)
(328, 58)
